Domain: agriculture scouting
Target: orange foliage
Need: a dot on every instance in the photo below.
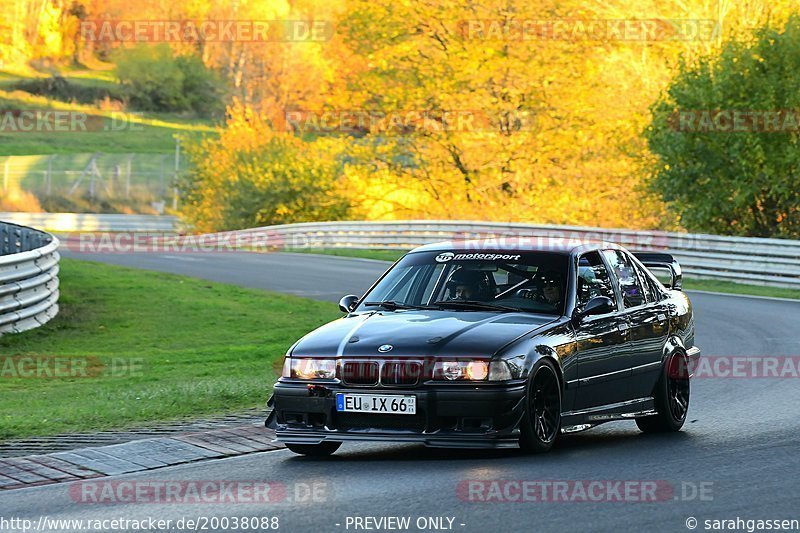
(560, 134)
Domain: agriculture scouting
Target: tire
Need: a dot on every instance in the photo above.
(322, 449)
(541, 421)
(671, 398)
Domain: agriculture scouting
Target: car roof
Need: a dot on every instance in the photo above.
(523, 243)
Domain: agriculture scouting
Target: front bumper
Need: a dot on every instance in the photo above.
(448, 415)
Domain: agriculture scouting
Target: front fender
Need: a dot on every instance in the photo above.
(557, 344)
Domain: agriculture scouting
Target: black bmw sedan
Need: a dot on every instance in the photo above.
(464, 345)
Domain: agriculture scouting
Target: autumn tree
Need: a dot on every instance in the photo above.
(37, 29)
(556, 135)
(727, 136)
(156, 79)
(253, 176)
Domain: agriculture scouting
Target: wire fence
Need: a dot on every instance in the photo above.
(147, 179)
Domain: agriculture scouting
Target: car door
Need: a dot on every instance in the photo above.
(603, 368)
(647, 318)
(653, 333)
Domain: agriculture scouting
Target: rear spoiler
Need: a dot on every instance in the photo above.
(662, 260)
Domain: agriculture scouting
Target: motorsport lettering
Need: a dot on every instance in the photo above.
(486, 257)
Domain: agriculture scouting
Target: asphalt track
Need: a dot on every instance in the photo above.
(737, 457)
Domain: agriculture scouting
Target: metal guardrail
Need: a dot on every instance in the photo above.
(773, 262)
(28, 278)
(67, 222)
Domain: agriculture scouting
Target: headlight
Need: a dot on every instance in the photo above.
(477, 370)
(471, 371)
(308, 368)
(499, 371)
(461, 370)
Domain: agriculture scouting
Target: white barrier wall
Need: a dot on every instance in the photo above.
(28, 278)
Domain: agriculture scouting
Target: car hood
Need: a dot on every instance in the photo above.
(419, 333)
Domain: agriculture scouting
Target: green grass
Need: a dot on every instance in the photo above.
(107, 131)
(146, 169)
(105, 79)
(688, 284)
(143, 132)
(140, 163)
(381, 255)
(147, 140)
(205, 348)
(739, 288)
(83, 77)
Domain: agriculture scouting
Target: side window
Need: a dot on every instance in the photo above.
(593, 279)
(653, 294)
(629, 284)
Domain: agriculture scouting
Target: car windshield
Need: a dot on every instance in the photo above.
(494, 281)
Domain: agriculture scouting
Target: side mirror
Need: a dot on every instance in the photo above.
(348, 303)
(599, 305)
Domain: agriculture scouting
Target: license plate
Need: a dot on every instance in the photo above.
(376, 403)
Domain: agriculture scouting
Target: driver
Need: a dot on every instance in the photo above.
(467, 284)
(551, 288)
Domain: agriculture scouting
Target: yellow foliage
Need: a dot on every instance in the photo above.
(252, 175)
(559, 138)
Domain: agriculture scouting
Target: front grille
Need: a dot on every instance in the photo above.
(360, 373)
(401, 373)
(388, 373)
(349, 421)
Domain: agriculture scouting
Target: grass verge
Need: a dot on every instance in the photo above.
(197, 348)
(381, 255)
(100, 131)
(689, 284)
(738, 288)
